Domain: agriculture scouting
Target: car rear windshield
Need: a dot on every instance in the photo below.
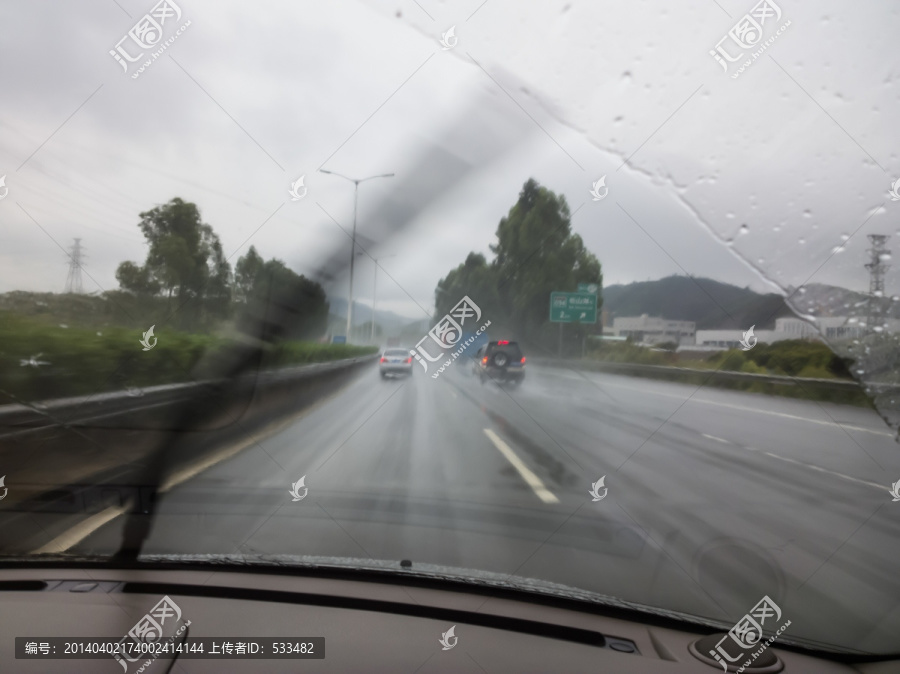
(396, 353)
(512, 348)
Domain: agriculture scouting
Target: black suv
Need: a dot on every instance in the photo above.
(501, 362)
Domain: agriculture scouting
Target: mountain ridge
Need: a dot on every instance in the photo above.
(708, 303)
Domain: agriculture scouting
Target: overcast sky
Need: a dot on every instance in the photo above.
(797, 153)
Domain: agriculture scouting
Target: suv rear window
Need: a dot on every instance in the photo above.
(512, 348)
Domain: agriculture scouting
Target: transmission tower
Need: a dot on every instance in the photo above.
(76, 260)
(877, 269)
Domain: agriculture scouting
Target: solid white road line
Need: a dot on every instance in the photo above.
(830, 472)
(82, 530)
(530, 478)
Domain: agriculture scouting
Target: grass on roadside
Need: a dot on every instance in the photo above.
(793, 358)
(74, 360)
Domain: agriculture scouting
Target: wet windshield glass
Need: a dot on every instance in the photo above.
(216, 217)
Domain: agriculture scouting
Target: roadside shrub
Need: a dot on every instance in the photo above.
(752, 368)
(84, 361)
(733, 360)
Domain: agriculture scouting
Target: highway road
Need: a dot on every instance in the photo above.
(714, 498)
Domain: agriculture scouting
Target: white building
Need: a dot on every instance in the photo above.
(841, 327)
(646, 329)
(715, 340)
(831, 328)
(651, 330)
(797, 328)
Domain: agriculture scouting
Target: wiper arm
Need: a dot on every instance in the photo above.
(264, 322)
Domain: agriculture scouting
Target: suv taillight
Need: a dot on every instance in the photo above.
(484, 361)
(523, 360)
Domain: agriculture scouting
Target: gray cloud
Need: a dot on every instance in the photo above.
(800, 149)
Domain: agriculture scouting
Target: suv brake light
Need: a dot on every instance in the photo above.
(523, 360)
(503, 342)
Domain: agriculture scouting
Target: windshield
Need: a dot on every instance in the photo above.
(215, 220)
(510, 348)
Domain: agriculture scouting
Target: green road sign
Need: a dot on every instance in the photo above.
(573, 308)
(592, 288)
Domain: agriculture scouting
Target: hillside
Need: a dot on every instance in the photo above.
(819, 299)
(362, 313)
(710, 304)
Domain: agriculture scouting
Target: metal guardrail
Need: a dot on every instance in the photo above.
(16, 419)
(721, 375)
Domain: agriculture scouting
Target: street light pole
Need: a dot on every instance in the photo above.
(375, 293)
(356, 183)
(352, 260)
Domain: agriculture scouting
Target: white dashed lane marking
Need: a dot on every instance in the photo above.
(530, 478)
(800, 463)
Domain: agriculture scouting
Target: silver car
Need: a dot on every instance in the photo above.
(395, 362)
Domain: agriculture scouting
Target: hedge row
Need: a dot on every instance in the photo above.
(40, 361)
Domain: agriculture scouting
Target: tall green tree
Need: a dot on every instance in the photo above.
(475, 278)
(246, 270)
(137, 279)
(271, 286)
(536, 253)
(185, 261)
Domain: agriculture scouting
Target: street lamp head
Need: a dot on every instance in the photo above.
(355, 180)
(353, 253)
